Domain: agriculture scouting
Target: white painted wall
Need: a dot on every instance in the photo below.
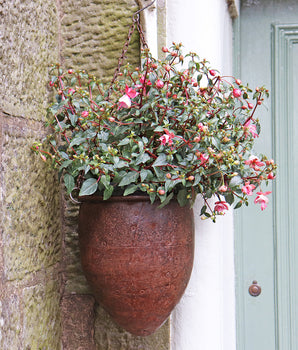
(205, 317)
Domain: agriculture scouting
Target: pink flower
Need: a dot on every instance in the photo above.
(167, 138)
(248, 188)
(270, 176)
(131, 93)
(202, 127)
(84, 114)
(254, 162)
(250, 128)
(144, 81)
(70, 91)
(204, 158)
(159, 84)
(220, 206)
(223, 188)
(212, 72)
(262, 199)
(124, 102)
(237, 92)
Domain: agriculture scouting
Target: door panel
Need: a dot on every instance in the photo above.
(266, 246)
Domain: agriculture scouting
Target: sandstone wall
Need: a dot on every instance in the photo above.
(45, 302)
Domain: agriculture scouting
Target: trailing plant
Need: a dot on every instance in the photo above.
(171, 128)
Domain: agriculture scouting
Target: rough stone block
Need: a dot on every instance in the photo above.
(94, 33)
(31, 214)
(28, 45)
(42, 325)
(109, 336)
(10, 323)
(75, 281)
(78, 322)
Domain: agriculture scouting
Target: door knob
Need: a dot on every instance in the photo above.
(254, 290)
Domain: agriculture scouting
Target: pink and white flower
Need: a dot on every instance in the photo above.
(250, 128)
(167, 138)
(125, 100)
(262, 199)
(254, 162)
(204, 158)
(159, 84)
(223, 188)
(84, 114)
(248, 188)
(220, 206)
(237, 93)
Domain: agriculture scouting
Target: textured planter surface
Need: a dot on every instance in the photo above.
(137, 258)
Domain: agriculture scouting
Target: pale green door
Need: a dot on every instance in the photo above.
(266, 53)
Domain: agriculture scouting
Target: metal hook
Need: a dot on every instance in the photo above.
(144, 8)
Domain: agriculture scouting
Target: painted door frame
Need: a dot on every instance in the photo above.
(284, 38)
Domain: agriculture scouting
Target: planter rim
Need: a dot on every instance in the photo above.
(97, 198)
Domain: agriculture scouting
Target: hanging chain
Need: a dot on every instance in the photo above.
(135, 22)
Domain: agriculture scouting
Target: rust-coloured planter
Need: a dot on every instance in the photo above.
(137, 258)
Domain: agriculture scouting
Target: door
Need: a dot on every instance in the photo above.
(266, 53)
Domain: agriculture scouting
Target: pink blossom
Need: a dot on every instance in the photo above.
(131, 93)
(250, 128)
(204, 158)
(202, 127)
(220, 206)
(248, 188)
(223, 188)
(159, 84)
(237, 92)
(144, 81)
(270, 176)
(167, 138)
(84, 114)
(262, 199)
(254, 162)
(70, 91)
(124, 102)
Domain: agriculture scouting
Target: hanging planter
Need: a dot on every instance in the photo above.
(171, 128)
(136, 257)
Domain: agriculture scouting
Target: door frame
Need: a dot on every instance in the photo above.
(284, 36)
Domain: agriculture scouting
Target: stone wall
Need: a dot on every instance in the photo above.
(30, 234)
(45, 302)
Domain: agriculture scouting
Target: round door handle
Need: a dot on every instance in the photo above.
(254, 290)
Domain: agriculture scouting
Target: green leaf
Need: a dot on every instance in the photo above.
(145, 173)
(108, 192)
(181, 197)
(69, 183)
(123, 142)
(129, 178)
(238, 205)
(158, 129)
(160, 160)
(77, 141)
(142, 158)
(65, 164)
(89, 187)
(203, 210)
(105, 180)
(130, 189)
(229, 197)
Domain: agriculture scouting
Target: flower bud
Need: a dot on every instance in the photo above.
(237, 93)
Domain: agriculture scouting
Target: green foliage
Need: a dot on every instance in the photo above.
(161, 128)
